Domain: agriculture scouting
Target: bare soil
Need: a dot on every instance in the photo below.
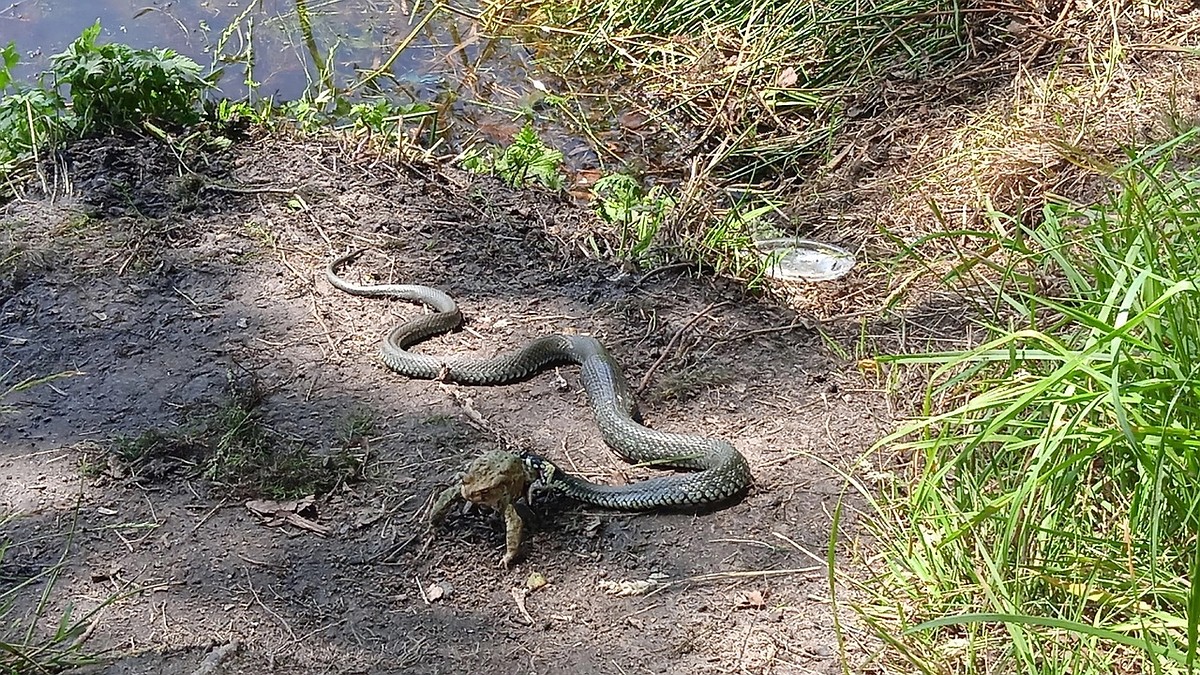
(165, 293)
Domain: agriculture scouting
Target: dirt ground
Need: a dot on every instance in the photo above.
(157, 292)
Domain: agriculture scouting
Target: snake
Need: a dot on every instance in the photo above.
(714, 471)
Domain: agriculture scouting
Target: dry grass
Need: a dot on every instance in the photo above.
(924, 191)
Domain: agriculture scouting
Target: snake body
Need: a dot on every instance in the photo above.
(718, 471)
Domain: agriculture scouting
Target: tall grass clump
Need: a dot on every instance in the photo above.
(762, 83)
(1053, 523)
(740, 96)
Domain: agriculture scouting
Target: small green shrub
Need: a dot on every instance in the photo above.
(637, 213)
(526, 160)
(114, 86)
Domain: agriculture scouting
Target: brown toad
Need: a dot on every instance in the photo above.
(495, 479)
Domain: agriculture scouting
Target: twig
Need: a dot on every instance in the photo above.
(321, 322)
(250, 189)
(659, 270)
(765, 331)
(519, 594)
(799, 548)
(671, 344)
(208, 515)
(270, 611)
(721, 576)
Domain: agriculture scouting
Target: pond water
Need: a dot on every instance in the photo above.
(284, 49)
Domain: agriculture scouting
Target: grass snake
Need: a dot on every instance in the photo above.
(718, 471)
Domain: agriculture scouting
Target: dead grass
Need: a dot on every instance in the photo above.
(925, 191)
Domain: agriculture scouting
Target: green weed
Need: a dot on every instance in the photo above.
(114, 86)
(526, 160)
(24, 646)
(638, 214)
(230, 445)
(1053, 524)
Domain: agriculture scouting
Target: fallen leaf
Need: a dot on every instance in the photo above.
(750, 600)
(535, 581)
(289, 512)
(787, 78)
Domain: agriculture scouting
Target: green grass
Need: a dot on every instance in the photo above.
(768, 82)
(231, 445)
(1052, 526)
(32, 639)
(747, 94)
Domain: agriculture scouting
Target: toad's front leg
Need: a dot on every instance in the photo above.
(513, 525)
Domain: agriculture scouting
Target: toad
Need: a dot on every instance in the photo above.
(495, 479)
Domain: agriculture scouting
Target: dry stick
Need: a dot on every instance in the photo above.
(519, 594)
(270, 611)
(726, 576)
(207, 516)
(765, 331)
(671, 345)
(316, 314)
(251, 189)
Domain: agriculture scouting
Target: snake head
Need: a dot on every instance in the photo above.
(542, 471)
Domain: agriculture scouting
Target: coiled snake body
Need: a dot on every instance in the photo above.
(718, 470)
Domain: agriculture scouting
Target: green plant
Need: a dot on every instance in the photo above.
(527, 159)
(24, 648)
(638, 214)
(110, 87)
(1053, 524)
(114, 86)
(29, 116)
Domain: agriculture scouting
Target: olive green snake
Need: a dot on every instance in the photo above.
(717, 471)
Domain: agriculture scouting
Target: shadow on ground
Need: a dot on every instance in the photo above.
(156, 291)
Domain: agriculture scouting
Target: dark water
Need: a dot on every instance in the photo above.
(286, 49)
